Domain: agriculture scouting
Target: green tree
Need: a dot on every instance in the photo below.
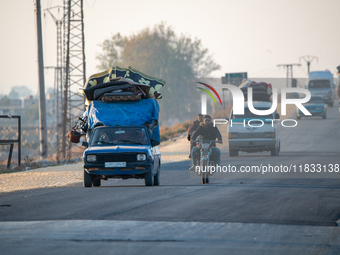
(19, 91)
(159, 52)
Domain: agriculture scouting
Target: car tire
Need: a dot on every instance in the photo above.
(87, 181)
(233, 153)
(324, 116)
(96, 182)
(149, 178)
(156, 177)
(275, 152)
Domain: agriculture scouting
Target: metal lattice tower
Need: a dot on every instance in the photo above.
(74, 62)
(289, 75)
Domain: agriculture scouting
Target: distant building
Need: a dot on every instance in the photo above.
(11, 106)
(19, 106)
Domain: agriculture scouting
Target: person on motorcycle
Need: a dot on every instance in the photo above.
(208, 132)
(192, 128)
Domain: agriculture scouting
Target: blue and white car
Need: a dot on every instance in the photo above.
(321, 83)
(316, 106)
(121, 152)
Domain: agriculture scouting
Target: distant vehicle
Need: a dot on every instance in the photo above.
(261, 135)
(293, 95)
(316, 106)
(320, 83)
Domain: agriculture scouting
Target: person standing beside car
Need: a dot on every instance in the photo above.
(192, 128)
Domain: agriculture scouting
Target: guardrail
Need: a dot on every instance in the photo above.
(11, 142)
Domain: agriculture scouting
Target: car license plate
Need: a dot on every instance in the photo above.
(115, 164)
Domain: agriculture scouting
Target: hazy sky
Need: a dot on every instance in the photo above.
(243, 35)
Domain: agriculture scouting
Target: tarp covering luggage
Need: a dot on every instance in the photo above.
(133, 113)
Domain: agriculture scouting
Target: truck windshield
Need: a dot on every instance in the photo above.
(319, 84)
(119, 136)
(249, 115)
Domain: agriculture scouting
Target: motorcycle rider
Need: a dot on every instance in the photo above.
(208, 132)
(192, 128)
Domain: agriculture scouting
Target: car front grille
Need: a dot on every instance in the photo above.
(117, 157)
(250, 135)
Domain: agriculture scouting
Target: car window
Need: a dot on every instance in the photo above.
(119, 136)
(319, 84)
(249, 115)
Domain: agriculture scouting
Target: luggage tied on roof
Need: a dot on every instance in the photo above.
(111, 83)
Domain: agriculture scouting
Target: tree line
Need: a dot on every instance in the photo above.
(161, 53)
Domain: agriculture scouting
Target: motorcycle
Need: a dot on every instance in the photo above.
(204, 161)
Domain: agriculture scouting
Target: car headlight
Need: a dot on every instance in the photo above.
(141, 157)
(233, 135)
(91, 158)
(270, 135)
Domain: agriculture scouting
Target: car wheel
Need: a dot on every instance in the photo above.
(233, 153)
(149, 178)
(156, 177)
(87, 181)
(96, 182)
(275, 152)
(324, 116)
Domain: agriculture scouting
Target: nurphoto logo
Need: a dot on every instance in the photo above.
(238, 99)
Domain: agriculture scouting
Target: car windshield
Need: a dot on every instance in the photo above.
(319, 84)
(249, 115)
(316, 100)
(119, 136)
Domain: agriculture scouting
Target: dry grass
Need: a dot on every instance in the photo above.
(168, 132)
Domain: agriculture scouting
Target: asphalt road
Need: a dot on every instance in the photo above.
(289, 213)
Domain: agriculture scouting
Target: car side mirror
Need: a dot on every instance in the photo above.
(154, 143)
(85, 144)
(277, 116)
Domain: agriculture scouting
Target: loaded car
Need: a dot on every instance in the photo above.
(120, 126)
(316, 106)
(121, 152)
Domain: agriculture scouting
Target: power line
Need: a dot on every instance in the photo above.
(308, 59)
(289, 76)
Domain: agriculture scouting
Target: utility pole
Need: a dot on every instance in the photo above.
(308, 60)
(42, 101)
(289, 76)
(58, 83)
